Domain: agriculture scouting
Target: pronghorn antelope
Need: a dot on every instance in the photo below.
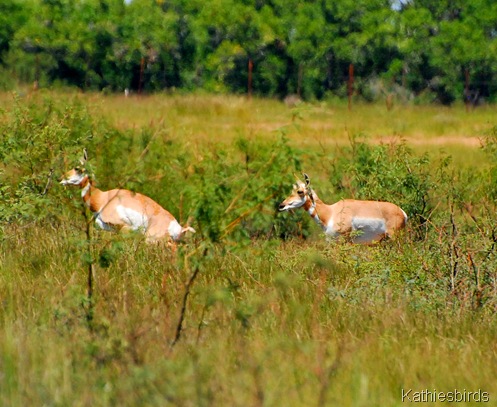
(126, 210)
(362, 221)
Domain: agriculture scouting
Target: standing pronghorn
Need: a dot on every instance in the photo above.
(123, 209)
(363, 221)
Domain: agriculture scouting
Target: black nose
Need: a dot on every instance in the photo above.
(281, 207)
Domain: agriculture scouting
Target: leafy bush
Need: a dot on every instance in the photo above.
(35, 141)
(238, 193)
(386, 172)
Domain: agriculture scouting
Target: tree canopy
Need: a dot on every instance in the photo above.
(442, 50)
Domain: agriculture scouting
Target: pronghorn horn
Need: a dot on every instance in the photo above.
(297, 180)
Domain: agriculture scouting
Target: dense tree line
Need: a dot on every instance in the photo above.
(441, 50)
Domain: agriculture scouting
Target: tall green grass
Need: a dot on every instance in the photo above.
(294, 324)
(276, 315)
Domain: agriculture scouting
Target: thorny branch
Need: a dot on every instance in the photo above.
(189, 284)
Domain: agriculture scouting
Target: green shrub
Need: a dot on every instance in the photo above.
(35, 141)
(385, 172)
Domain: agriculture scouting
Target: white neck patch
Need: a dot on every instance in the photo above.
(314, 214)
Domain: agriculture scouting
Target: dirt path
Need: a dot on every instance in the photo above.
(435, 141)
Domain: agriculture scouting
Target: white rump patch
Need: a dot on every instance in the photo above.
(368, 229)
(174, 230)
(136, 220)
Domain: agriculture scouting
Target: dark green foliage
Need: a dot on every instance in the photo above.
(413, 49)
(109, 254)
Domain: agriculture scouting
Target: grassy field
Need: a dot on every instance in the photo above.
(256, 308)
(200, 117)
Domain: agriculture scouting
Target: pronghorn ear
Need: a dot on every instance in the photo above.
(307, 180)
(308, 186)
(84, 159)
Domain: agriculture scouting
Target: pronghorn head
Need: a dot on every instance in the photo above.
(76, 176)
(302, 191)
